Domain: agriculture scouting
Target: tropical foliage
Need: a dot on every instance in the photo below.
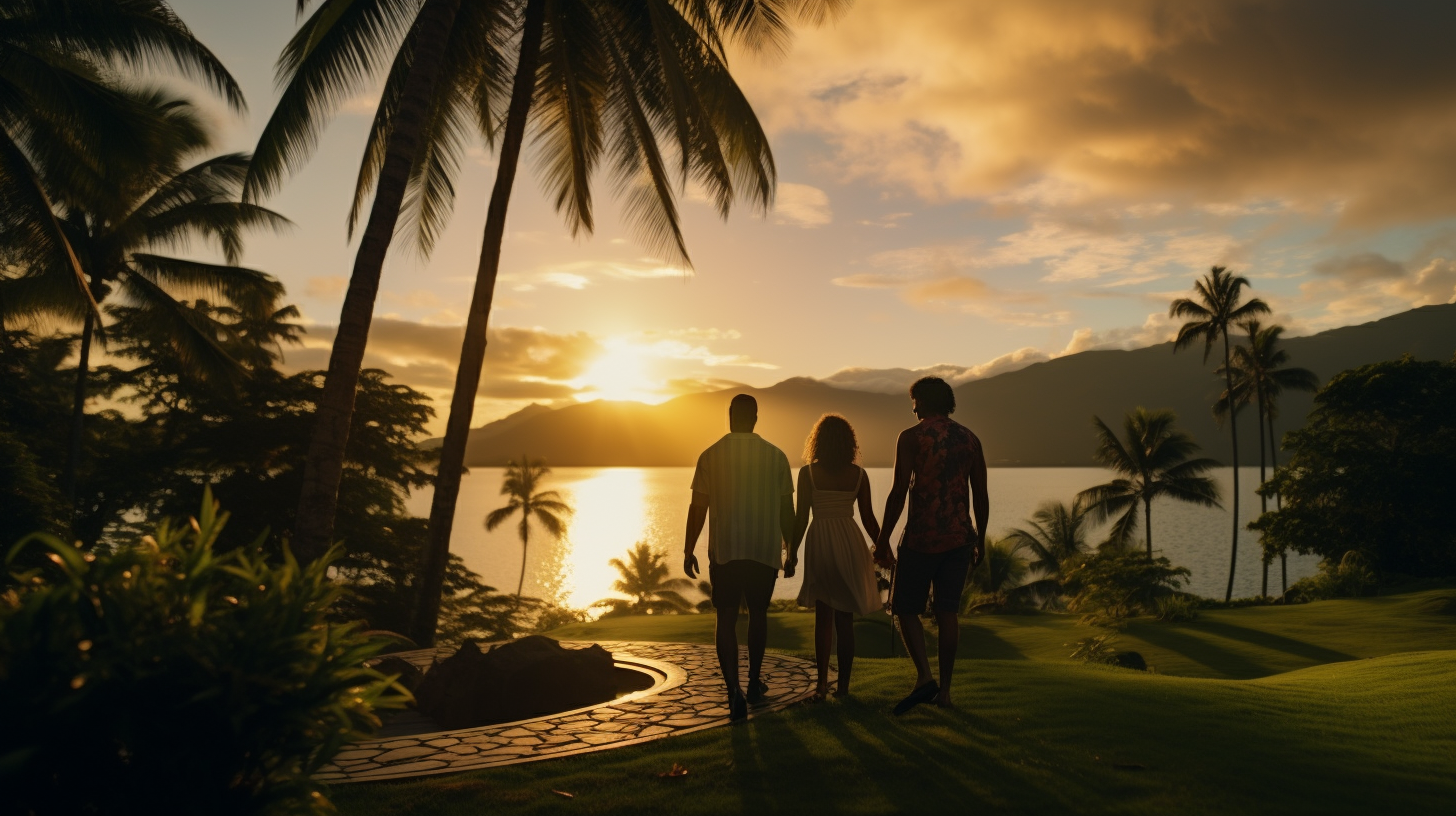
(165, 672)
(1373, 470)
(1153, 460)
(1107, 587)
(645, 580)
(998, 583)
(1055, 532)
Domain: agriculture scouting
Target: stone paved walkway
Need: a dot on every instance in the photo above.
(688, 696)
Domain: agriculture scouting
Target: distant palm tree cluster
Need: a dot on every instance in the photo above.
(1154, 459)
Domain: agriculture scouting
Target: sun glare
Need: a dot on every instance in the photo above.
(621, 373)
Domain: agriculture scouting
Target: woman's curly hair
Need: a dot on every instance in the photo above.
(831, 442)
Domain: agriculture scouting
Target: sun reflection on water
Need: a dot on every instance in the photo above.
(610, 517)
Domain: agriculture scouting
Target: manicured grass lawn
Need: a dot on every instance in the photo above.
(1039, 734)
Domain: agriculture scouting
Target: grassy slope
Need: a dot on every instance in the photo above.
(1038, 734)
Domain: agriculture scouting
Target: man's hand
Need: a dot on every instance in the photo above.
(790, 565)
(690, 565)
(978, 551)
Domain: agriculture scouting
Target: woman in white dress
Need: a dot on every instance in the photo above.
(839, 572)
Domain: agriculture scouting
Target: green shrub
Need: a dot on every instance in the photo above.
(164, 677)
(1350, 577)
(1177, 608)
(1109, 586)
(1095, 649)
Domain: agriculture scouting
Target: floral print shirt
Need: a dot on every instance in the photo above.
(940, 493)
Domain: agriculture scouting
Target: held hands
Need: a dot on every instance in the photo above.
(883, 557)
(690, 565)
(790, 565)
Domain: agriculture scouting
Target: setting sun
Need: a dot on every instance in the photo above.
(620, 373)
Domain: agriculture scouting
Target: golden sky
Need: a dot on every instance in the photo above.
(965, 185)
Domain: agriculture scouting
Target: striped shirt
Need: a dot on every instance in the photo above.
(742, 480)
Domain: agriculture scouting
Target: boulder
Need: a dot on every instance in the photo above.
(1130, 660)
(409, 674)
(525, 678)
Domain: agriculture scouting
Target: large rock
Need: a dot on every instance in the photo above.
(525, 678)
(1131, 660)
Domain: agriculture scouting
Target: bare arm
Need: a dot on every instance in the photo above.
(697, 514)
(867, 508)
(801, 517)
(980, 499)
(895, 502)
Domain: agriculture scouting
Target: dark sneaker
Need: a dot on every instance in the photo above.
(757, 692)
(737, 707)
(923, 694)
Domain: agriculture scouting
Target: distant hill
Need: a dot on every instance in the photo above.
(1037, 416)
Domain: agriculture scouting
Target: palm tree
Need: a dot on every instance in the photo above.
(1260, 374)
(1000, 579)
(1153, 460)
(118, 217)
(644, 577)
(58, 64)
(336, 54)
(1218, 307)
(1055, 532)
(610, 80)
(523, 477)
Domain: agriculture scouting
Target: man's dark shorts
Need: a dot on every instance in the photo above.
(739, 581)
(916, 572)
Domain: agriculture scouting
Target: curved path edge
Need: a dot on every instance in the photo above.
(688, 697)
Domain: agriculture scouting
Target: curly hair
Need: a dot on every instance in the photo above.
(831, 442)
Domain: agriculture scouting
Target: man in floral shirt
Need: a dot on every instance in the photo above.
(939, 464)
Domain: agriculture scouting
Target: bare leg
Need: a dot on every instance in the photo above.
(757, 642)
(823, 635)
(914, 633)
(727, 640)
(844, 630)
(950, 640)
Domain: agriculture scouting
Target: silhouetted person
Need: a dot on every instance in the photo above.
(839, 574)
(939, 463)
(743, 488)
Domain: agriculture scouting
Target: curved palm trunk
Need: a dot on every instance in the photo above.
(472, 352)
(324, 465)
(1263, 500)
(78, 413)
(1233, 432)
(525, 543)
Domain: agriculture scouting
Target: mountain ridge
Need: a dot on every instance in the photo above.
(1035, 416)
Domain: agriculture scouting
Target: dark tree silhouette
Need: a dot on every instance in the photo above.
(644, 577)
(522, 480)
(1216, 308)
(1153, 458)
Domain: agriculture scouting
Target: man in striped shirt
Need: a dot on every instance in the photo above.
(743, 488)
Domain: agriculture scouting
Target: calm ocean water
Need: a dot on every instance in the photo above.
(616, 507)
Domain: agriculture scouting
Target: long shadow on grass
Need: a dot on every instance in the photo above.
(980, 643)
(1220, 660)
(1271, 641)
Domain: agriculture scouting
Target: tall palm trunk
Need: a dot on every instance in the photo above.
(78, 413)
(1148, 524)
(525, 543)
(1263, 500)
(1234, 432)
(472, 352)
(1278, 505)
(324, 466)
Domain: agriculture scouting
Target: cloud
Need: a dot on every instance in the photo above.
(364, 104)
(1364, 266)
(520, 363)
(933, 277)
(800, 205)
(898, 380)
(1343, 107)
(1157, 328)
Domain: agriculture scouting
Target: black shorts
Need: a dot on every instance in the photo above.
(916, 572)
(738, 581)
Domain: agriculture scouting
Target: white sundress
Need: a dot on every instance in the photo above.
(838, 567)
